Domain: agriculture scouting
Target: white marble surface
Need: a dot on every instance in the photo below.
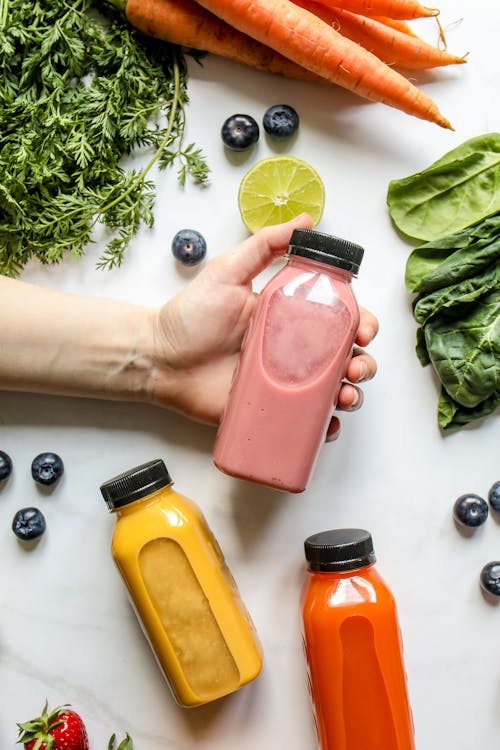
(66, 629)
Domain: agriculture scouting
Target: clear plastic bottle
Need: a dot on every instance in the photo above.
(180, 586)
(353, 647)
(293, 358)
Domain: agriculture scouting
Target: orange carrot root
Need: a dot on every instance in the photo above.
(187, 24)
(388, 44)
(280, 37)
(395, 23)
(308, 41)
(395, 9)
(442, 37)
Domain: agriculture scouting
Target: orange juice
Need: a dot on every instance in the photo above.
(180, 586)
(353, 647)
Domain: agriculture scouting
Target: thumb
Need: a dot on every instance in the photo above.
(246, 261)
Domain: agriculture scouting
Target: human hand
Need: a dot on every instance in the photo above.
(198, 333)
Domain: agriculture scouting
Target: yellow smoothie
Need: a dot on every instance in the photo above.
(181, 588)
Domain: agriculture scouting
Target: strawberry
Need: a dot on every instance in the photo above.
(61, 729)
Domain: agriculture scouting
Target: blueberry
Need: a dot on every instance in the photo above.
(494, 496)
(470, 510)
(5, 466)
(28, 524)
(490, 578)
(239, 132)
(189, 247)
(46, 468)
(280, 121)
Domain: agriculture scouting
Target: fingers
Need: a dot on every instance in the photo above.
(350, 397)
(241, 265)
(333, 430)
(368, 327)
(362, 367)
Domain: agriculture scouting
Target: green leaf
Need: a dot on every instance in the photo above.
(421, 348)
(456, 295)
(126, 744)
(451, 259)
(452, 415)
(80, 92)
(454, 192)
(447, 408)
(458, 308)
(465, 351)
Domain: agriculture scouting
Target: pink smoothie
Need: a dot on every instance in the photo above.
(287, 380)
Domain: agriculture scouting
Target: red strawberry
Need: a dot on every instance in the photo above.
(61, 729)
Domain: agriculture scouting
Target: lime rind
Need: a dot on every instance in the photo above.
(277, 189)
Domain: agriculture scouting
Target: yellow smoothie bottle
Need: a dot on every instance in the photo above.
(181, 588)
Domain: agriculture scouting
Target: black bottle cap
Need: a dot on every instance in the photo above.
(136, 483)
(339, 549)
(326, 248)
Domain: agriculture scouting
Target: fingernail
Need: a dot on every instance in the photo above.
(363, 371)
(355, 398)
(333, 436)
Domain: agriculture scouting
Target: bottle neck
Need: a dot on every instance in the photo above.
(309, 264)
(142, 502)
(361, 570)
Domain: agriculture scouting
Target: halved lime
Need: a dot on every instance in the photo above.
(277, 189)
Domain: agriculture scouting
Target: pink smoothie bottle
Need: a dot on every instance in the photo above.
(293, 358)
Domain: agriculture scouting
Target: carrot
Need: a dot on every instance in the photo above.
(187, 24)
(304, 38)
(388, 44)
(395, 23)
(396, 9)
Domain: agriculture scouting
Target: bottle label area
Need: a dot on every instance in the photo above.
(368, 719)
(304, 328)
(187, 619)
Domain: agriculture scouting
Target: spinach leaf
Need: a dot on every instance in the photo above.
(458, 308)
(465, 350)
(452, 415)
(452, 259)
(421, 348)
(455, 205)
(454, 295)
(454, 192)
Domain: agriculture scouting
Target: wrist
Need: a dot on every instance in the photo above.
(104, 350)
(128, 355)
(63, 344)
(163, 384)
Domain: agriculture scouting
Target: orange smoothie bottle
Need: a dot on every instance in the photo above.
(293, 358)
(182, 591)
(353, 647)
